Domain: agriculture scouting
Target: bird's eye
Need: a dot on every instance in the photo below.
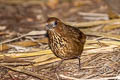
(55, 23)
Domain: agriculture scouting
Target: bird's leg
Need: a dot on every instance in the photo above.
(59, 64)
(79, 63)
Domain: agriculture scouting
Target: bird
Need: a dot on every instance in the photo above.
(65, 41)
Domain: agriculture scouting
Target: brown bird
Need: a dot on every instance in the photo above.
(65, 41)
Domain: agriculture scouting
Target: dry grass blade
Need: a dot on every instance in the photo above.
(21, 55)
(93, 14)
(21, 1)
(43, 52)
(104, 42)
(13, 39)
(45, 40)
(102, 50)
(23, 43)
(32, 33)
(93, 58)
(44, 58)
(100, 55)
(15, 64)
(104, 35)
(47, 62)
(46, 54)
(73, 78)
(92, 23)
(111, 27)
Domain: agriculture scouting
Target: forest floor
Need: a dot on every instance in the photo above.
(24, 50)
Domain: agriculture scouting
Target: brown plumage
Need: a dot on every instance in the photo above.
(65, 41)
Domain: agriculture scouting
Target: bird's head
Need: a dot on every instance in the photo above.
(52, 22)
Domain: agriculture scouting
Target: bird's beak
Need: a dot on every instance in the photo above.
(49, 26)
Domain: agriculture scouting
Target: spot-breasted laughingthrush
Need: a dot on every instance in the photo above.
(65, 41)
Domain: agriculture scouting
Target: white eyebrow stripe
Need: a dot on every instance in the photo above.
(52, 22)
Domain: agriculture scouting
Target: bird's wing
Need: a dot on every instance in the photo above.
(75, 34)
